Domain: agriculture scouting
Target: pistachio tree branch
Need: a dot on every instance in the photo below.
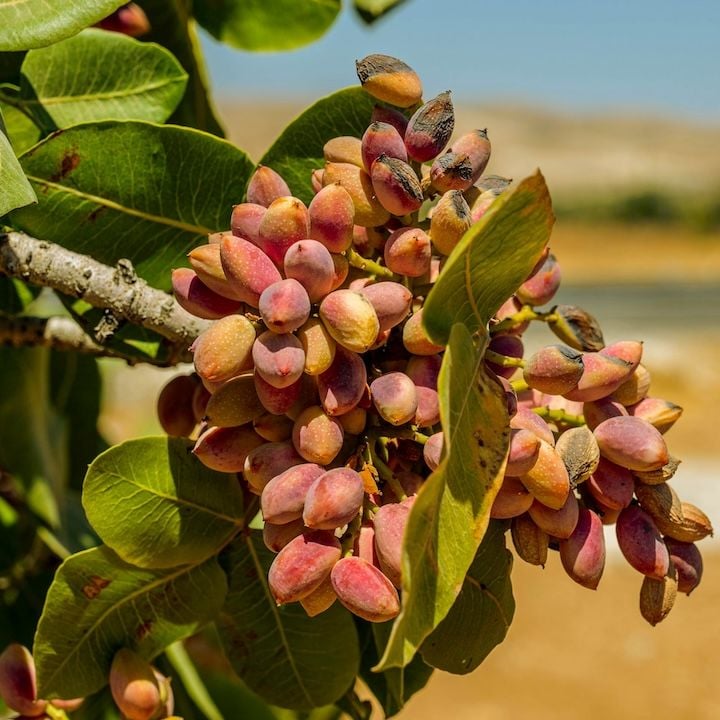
(115, 289)
(63, 333)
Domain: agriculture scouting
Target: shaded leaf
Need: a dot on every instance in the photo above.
(15, 190)
(133, 190)
(100, 75)
(20, 606)
(395, 686)
(98, 604)
(75, 388)
(156, 505)
(36, 23)
(503, 245)
(10, 63)
(172, 26)
(286, 657)
(451, 513)
(372, 10)
(266, 24)
(33, 441)
(21, 130)
(299, 149)
(15, 295)
(481, 615)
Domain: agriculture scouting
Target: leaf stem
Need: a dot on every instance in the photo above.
(370, 266)
(503, 360)
(558, 415)
(183, 665)
(525, 314)
(519, 385)
(385, 472)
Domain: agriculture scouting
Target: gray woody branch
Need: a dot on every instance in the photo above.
(115, 289)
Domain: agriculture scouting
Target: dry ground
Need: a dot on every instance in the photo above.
(577, 154)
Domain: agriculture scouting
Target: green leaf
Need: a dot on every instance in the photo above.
(171, 26)
(286, 657)
(32, 447)
(266, 24)
(75, 388)
(503, 245)
(372, 10)
(133, 190)
(395, 686)
(26, 24)
(451, 513)
(156, 505)
(480, 617)
(98, 604)
(15, 190)
(21, 130)
(299, 149)
(100, 75)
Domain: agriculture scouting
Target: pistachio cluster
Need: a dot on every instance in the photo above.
(318, 384)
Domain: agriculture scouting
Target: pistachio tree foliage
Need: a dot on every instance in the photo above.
(361, 434)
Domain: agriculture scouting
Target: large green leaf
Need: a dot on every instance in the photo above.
(286, 657)
(133, 190)
(98, 604)
(156, 505)
(451, 513)
(504, 245)
(266, 24)
(480, 617)
(26, 24)
(395, 686)
(172, 26)
(299, 149)
(15, 190)
(100, 75)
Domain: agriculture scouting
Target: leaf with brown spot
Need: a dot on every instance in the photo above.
(93, 608)
(452, 510)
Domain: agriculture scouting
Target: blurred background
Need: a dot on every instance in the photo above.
(618, 104)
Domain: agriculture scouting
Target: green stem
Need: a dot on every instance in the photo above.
(55, 713)
(52, 542)
(369, 266)
(503, 360)
(188, 674)
(251, 510)
(519, 385)
(558, 415)
(525, 314)
(386, 473)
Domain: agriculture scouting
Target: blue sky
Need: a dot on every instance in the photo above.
(583, 56)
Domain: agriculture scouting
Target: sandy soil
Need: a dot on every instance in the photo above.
(572, 653)
(578, 153)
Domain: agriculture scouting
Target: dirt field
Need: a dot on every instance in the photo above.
(572, 653)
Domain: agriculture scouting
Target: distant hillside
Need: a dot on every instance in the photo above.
(581, 155)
